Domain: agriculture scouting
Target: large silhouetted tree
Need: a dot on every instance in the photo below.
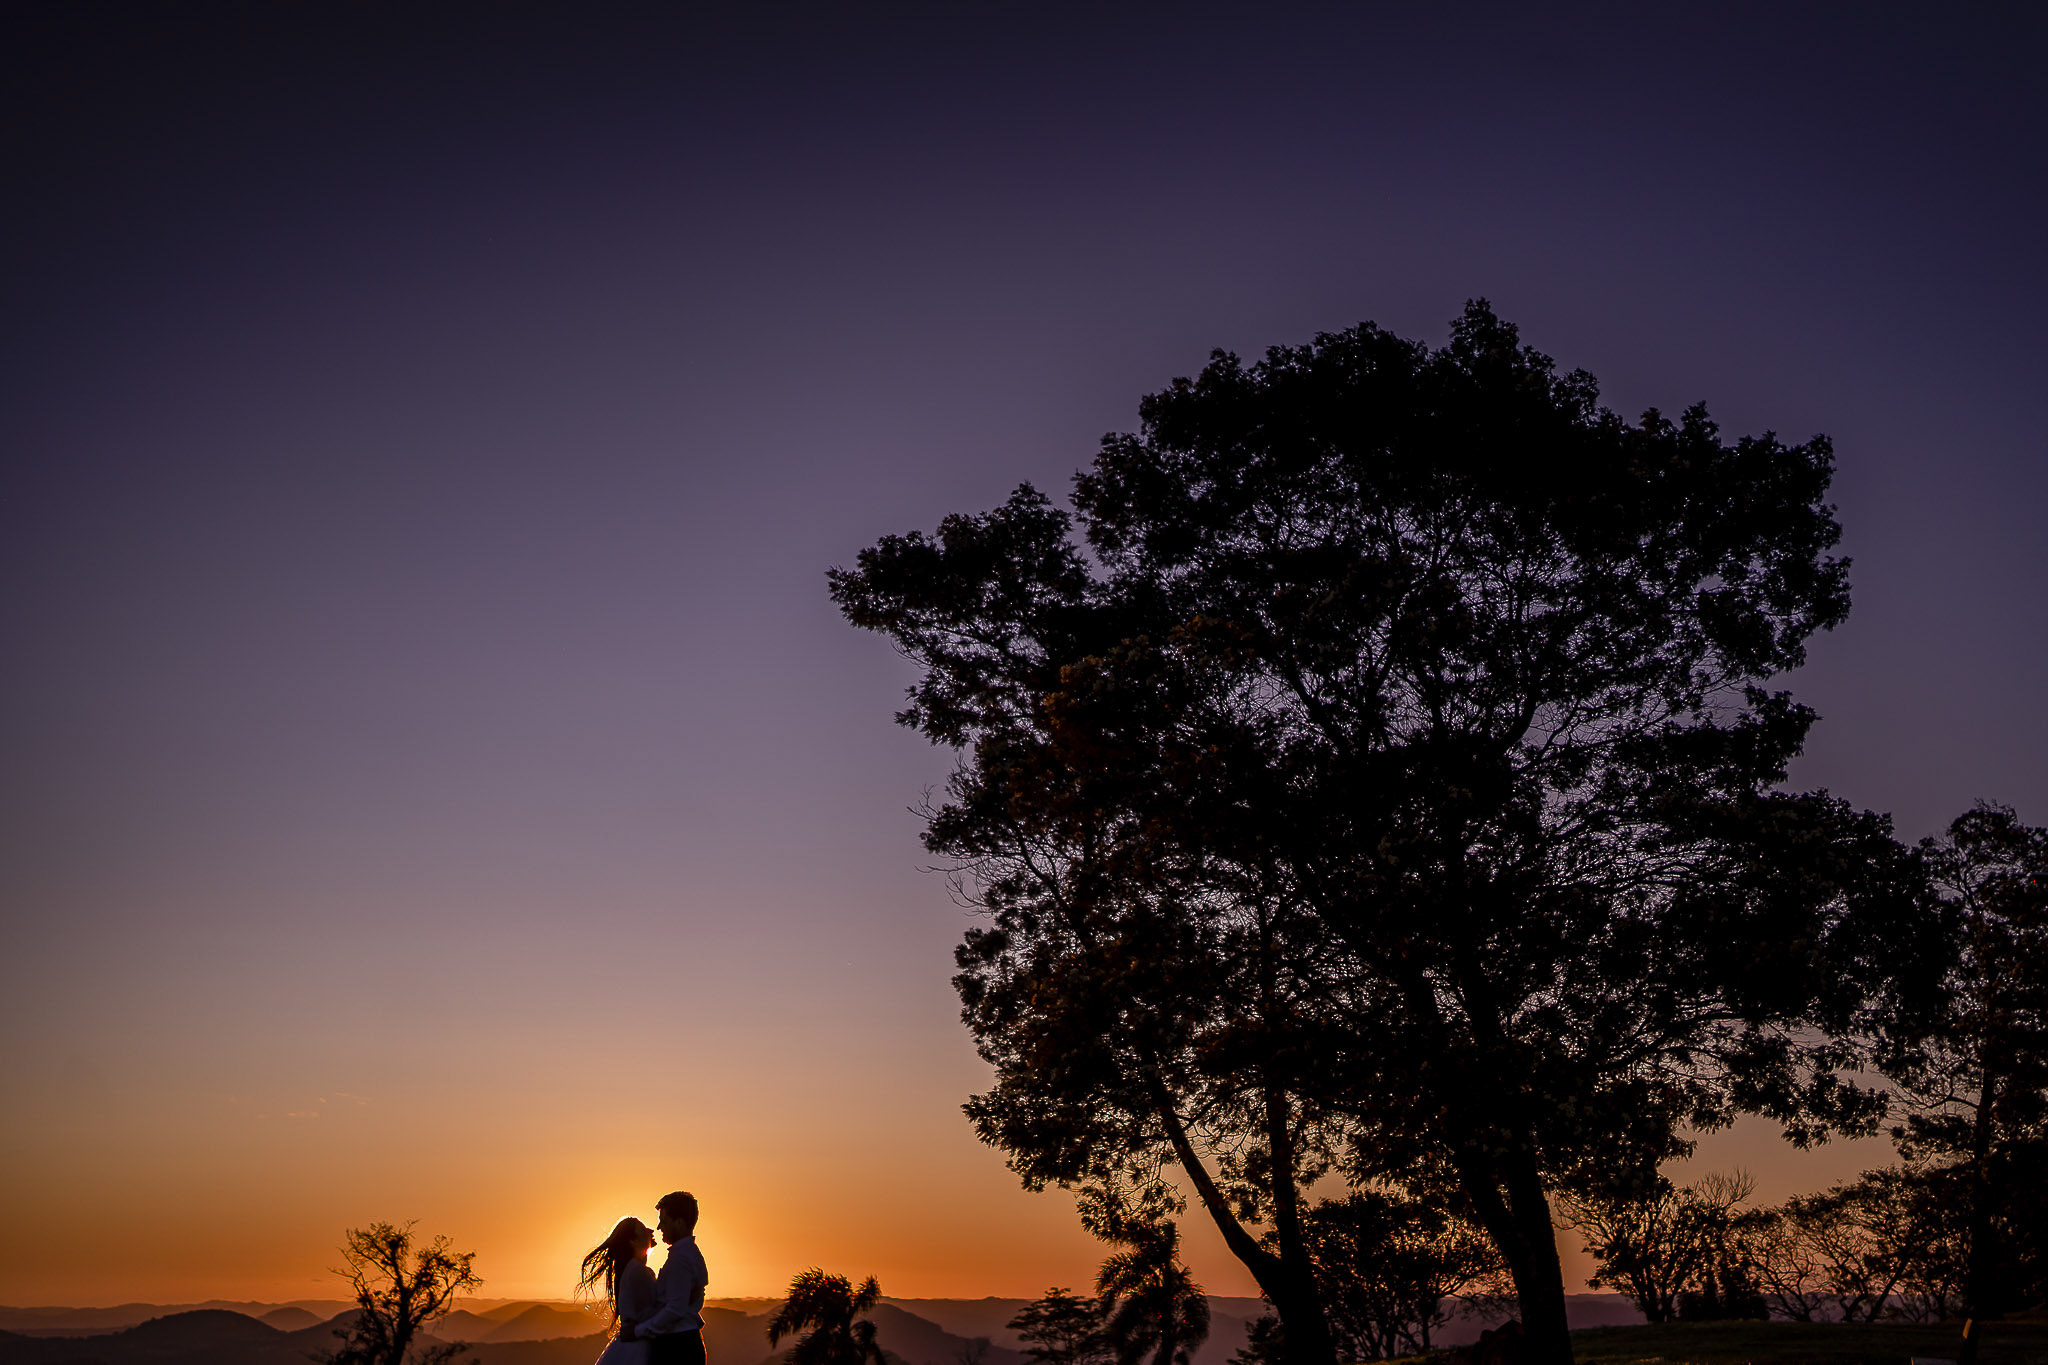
(1388, 784)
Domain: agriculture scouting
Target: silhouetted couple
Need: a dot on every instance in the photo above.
(660, 1318)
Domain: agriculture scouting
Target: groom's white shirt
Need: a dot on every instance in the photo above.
(681, 1281)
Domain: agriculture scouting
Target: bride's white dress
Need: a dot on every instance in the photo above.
(638, 1298)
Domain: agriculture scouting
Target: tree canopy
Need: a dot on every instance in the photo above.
(400, 1287)
(1970, 1051)
(1653, 1243)
(1393, 1270)
(1383, 781)
(1062, 1328)
(1153, 1311)
(827, 1315)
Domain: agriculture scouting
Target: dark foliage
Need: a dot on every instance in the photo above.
(1389, 785)
(829, 1313)
(1061, 1328)
(400, 1289)
(1265, 1342)
(1153, 1311)
(1666, 1247)
(1971, 1054)
(1393, 1270)
(1887, 1246)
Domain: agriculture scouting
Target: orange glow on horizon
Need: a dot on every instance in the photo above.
(950, 1223)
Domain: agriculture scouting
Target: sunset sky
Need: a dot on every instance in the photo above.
(435, 782)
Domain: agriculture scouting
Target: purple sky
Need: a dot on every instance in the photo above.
(425, 441)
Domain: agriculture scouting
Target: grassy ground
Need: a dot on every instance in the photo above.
(1804, 1343)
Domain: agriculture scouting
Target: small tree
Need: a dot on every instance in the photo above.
(1151, 1305)
(399, 1289)
(1263, 1342)
(1888, 1244)
(827, 1310)
(1972, 1060)
(1728, 1286)
(1788, 1268)
(1391, 1269)
(1394, 1269)
(1653, 1242)
(1062, 1328)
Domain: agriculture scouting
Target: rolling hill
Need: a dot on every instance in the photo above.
(525, 1332)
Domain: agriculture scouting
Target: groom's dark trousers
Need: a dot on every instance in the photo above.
(676, 1348)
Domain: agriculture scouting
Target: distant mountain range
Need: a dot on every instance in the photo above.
(87, 1321)
(530, 1334)
(525, 1332)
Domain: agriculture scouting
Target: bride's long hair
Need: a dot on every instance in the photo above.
(602, 1266)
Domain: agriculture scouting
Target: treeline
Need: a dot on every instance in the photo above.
(1892, 1244)
(1377, 777)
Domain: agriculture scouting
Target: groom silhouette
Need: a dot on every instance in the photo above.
(675, 1334)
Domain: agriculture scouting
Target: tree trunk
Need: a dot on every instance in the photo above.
(1486, 1113)
(1496, 1165)
(1290, 1288)
(1304, 1312)
(1539, 1275)
(1287, 1228)
(1304, 1333)
(1977, 1287)
(1507, 1196)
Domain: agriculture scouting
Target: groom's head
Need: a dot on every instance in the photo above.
(678, 1215)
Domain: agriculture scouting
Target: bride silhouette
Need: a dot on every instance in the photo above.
(618, 1268)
